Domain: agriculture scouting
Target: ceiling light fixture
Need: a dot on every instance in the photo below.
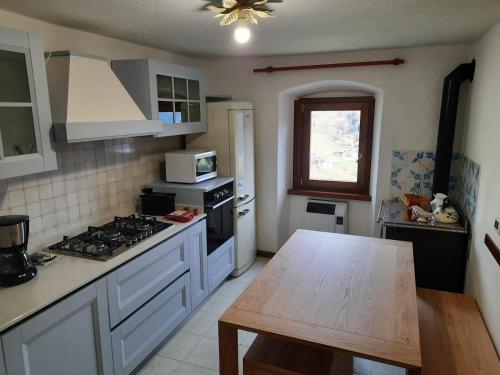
(243, 12)
(242, 33)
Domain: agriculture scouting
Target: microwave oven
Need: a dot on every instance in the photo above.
(190, 166)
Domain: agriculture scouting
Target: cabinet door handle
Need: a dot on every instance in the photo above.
(243, 197)
(244, 212)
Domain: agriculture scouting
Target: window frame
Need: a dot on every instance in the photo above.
(302, 185)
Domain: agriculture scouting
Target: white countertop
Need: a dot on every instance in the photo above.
(67, 274)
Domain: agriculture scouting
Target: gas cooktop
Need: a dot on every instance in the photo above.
(111, 239)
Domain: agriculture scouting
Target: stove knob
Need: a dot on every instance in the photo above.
(217, 195)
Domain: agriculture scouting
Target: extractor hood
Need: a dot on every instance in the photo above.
(88, 101)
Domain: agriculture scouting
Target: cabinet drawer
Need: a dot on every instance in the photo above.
(137, 282)
(144, 330)
(220, 264)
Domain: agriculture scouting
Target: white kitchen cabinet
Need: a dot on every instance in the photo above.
(220, 264)
(170, 93)
(198, 260)
(25, 118)
(2, 362)
(71, 337)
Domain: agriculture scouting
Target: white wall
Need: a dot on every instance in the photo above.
(481, 145)
(412, 100)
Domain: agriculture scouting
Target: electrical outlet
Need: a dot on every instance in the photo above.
(497, 225)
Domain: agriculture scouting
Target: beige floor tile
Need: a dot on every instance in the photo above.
(189, 369)
(232, 289)
(242, 350)
(200, 323)
(159, 366)
(217, 304)
(179, 346)
(205, 354)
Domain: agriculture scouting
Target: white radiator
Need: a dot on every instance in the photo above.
(326, 216)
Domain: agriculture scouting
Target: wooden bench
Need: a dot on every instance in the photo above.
(453, 337)
(269, 356)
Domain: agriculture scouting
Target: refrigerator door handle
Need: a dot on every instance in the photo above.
(242, 198)
(244, 212)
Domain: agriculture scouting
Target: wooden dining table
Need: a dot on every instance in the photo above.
(332, 291)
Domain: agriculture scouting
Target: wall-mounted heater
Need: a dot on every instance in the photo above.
(326, 216)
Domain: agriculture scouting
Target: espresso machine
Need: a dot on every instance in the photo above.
(15, 264)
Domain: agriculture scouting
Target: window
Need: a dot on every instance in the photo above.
(332, 147)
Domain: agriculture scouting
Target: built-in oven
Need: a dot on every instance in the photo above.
(219, 209)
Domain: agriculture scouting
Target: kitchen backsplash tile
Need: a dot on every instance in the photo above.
(464, 183)
(413, 172)
(95, 181)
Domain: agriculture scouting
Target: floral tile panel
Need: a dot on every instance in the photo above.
(413, 172)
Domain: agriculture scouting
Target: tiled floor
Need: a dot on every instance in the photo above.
(194, 349)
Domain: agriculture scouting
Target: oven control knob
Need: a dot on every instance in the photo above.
(217, 195)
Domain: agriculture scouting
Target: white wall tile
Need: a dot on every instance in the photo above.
(47, 206)
(72, 199)
(61, 217)
(46, 191)
(30, 181)
(84, 210)
(19, 210)
(83, 196)
(58, 188)
(70, 185)
(49, 221)
(34, 209)
(32, 194)
(16, 198)
(36, 225)
(60, 203)
(73, 212)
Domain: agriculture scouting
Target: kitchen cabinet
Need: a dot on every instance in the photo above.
(198, 260)
(71, 337)
(170, 93)
(220, 264)
(25, 118)
(2, 362)
(136, 338)
(133, 284)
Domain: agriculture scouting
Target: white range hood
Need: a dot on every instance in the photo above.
(88, 101)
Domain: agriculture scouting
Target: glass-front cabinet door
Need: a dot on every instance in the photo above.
(25, 119)
(174, 94)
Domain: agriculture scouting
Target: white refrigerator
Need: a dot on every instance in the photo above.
(231, 134)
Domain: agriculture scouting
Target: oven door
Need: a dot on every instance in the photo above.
(205, 166)
(219, 224)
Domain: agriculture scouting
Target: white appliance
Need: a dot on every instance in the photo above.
(190, 166)
(231, 134)
(88, 101)
(326, 216)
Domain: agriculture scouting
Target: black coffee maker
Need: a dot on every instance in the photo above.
(15, 264)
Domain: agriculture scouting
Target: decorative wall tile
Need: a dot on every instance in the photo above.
(411, 172)
(464, 186)
(95, 181)
(414, 170)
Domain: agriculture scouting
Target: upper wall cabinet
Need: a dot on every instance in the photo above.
(171, 93)
(25, 119)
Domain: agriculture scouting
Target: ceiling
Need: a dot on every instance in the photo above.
(300, 26)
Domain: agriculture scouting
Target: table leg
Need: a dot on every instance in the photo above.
(228, 349)
(413, 371)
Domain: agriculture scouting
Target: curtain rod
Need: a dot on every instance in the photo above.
(271, 69)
